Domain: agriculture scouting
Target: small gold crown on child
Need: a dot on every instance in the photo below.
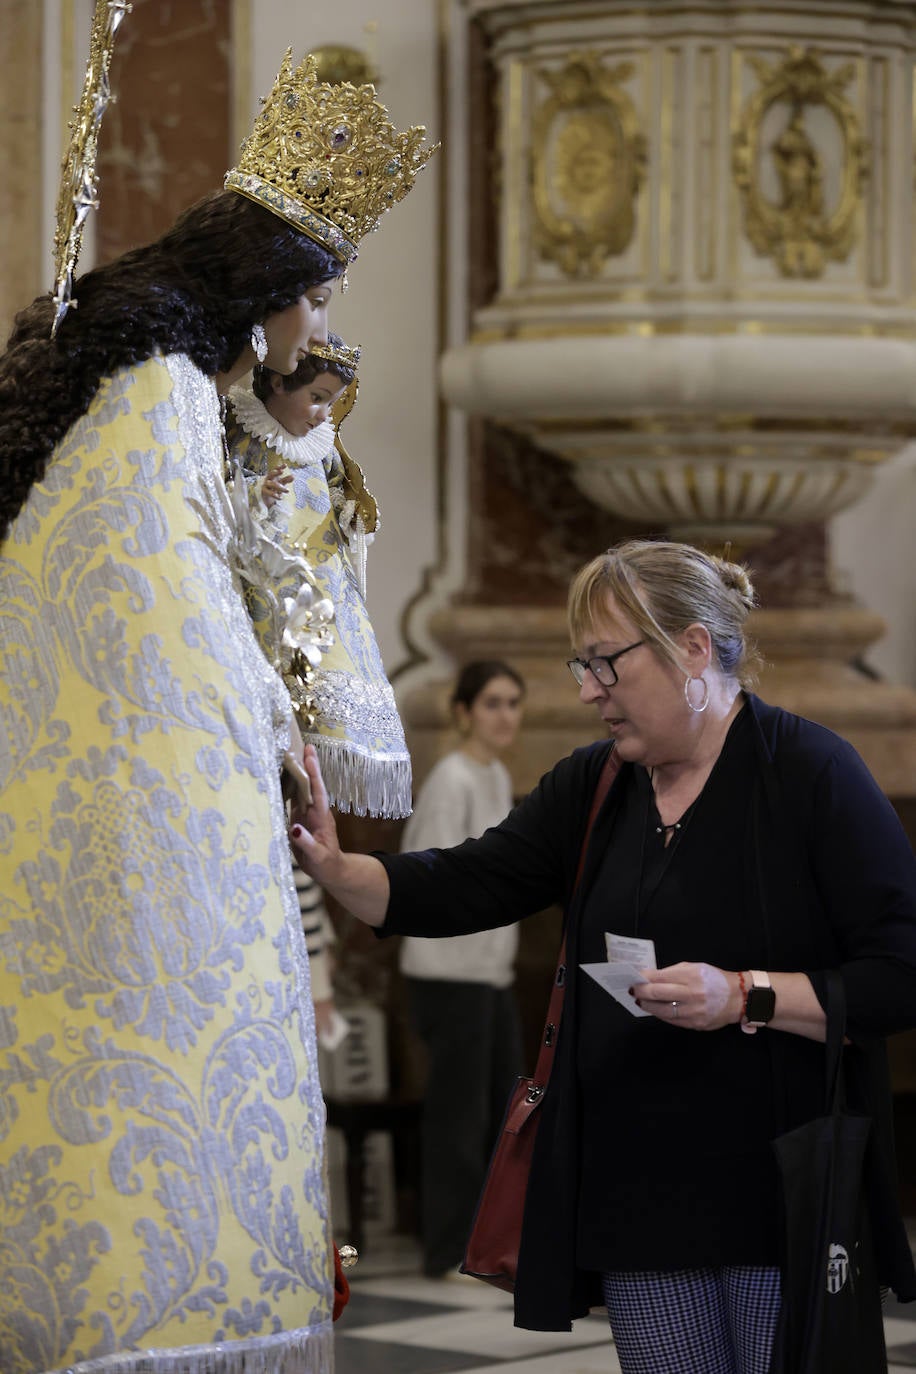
(341, 354)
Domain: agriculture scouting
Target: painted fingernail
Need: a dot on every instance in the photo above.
(297, 832)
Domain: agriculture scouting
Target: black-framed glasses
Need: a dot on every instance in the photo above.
(601, 667)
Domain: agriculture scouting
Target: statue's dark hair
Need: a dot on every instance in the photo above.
(308, 369)
(224, 265)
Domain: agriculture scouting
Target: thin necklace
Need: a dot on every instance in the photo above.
(676, 825)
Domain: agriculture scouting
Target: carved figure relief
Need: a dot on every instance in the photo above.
(588, 163)
(800, 231)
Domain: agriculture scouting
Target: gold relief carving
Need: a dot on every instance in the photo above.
(588, 163)
(799, 231)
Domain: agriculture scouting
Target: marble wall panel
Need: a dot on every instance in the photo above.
(22, 262)
(533, 529)
(166, 141)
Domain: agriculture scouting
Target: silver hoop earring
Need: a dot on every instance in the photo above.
(259, 342)
(697, 710)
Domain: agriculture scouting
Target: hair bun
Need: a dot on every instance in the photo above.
(735, 577)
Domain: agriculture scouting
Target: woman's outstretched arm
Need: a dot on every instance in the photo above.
(357, 881)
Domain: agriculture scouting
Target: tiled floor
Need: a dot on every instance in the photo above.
(401, 1323)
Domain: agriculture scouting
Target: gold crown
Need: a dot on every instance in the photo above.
(326, 158)
(340, 354)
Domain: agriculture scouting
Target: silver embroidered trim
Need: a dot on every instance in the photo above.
(200, 431)
(374, 780)
(348, 701)
(309, 1350)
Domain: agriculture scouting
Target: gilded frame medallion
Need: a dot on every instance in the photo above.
(588, 159)
(800, 232)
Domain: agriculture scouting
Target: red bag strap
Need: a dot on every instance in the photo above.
(558, 991)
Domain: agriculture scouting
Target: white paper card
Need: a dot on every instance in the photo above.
(627, 949)
(617, 979)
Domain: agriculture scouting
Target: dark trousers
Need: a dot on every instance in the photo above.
(473, 1037)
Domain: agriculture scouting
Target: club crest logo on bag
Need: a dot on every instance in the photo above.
(837, 1268)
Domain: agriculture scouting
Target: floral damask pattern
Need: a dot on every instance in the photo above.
(161, 1123)
(107, 916)
(45, 1268)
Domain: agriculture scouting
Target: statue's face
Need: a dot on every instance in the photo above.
(301, 410)
(291, 332)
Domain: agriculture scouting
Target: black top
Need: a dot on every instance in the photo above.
(676, 1125)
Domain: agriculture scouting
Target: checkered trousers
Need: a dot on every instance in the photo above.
(693, 1321)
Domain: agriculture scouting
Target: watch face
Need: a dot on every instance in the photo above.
(761, 1004)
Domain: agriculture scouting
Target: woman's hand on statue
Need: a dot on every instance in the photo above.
(358, 881)
(274, 485)
(313, 832)
(692, 996)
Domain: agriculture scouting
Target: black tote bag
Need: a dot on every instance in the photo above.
(830, 1321)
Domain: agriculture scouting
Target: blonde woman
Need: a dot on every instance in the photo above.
(755, 852)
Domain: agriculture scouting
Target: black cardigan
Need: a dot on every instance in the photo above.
(833, 877)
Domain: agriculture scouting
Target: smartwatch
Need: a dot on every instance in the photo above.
(761, 1001)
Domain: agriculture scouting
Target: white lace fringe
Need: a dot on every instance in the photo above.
(307, 1351)
(367, 786)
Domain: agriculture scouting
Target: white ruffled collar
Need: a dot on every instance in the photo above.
(298, 450)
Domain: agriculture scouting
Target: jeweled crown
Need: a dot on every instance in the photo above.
(326, 158)
(337, 353)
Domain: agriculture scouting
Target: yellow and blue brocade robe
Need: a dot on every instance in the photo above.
(162, 1171)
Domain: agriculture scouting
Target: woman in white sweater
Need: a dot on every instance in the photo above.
(460, 988)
